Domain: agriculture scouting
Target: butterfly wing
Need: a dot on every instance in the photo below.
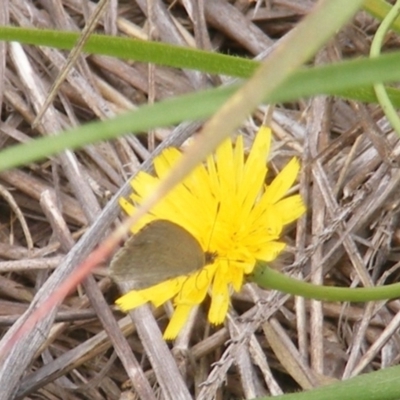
(161, 250)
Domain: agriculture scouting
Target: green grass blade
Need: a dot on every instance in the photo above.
(379, 9)
(380, 385)
(330, 79)
(133, 49)
(175, 56)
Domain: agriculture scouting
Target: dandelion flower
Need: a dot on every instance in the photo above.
(227, 208)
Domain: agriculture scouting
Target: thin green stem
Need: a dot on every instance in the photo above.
(379, 88)
(269, 278)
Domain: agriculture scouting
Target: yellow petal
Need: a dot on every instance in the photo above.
(219, 308)
(270, 251)
(128, 207)
(259, 152)
(236, 272)
(283, 182)
(290, 208)
(238, 161)
(157, 294)
(225, 167)
(219, 299)
(254, 172)
(131, 300)
(194, 288)
(213, 176)
(144, 184)
(164, 291)
(164, 162)
(178, 320)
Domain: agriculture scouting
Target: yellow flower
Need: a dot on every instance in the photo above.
(227, 207)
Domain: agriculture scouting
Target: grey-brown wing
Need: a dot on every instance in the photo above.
(160, 251)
